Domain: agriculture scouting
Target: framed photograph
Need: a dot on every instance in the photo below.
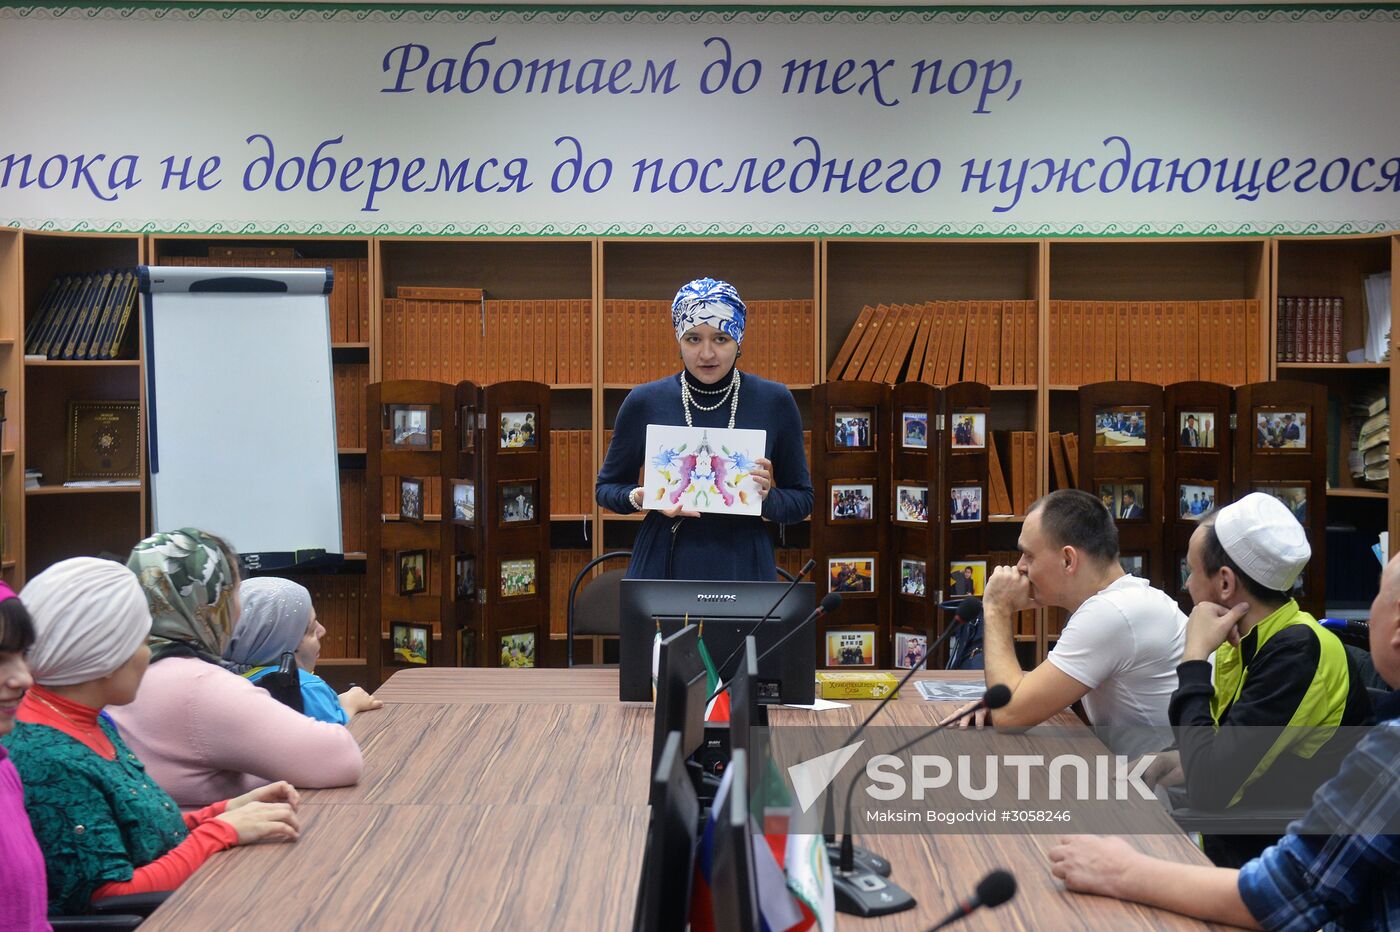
(518, 649)
(911, 504)
(1292, 494)
(969, 430)
(1280, 429)
(1124, 499)
(519, 501)
(1195, 430)
(464, 578)
(410, 499)
(410, 427)
(466, 427)
(966, 577)
(104, 440)
(965, 504)
(411, 642)
(466, 647)
(913, 577)
(518, 578)
(1120, 428)
(464, 502)
(909, 649)
(412, 571)
(1134, 564)
(851, 576)
(853, 429)
(1194, 497)
(852, 501)
(914, 435)
(850, 648)
(518, 430)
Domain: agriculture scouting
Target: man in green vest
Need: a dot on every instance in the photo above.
(1257, 729)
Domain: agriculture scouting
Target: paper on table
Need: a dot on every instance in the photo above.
(821, 705)
(935, 691)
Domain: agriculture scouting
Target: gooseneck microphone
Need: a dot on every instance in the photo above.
(853, 886)
(719, 669)
(992, 890)
(869, 860)
(830, 603)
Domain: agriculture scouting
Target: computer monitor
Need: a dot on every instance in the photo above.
(729, 611)
(680, 693)
(663, 897)
(733, 885)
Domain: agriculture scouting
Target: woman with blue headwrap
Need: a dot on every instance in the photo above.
(676, 543)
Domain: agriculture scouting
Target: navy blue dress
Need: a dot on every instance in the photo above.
(729, 547)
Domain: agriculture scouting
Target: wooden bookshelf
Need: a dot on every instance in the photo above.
(52, 523)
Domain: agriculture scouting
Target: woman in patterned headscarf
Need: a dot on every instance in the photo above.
(205, 732)
(709, 391)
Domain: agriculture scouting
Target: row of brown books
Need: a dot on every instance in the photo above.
(349, 297)
(1064, 460)
(639, 342)
(1310, 329)
(1155, 341)
(340, 607)
(351, 380)
(353, 532)
(487, 341)
(572, 475)
(564, 566)
(1011, 488)
(86, 317)
(941, 342)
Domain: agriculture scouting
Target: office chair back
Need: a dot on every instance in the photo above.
(593, 609)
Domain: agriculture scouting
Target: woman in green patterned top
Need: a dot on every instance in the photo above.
(104, 826)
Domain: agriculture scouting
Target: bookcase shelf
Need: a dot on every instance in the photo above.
(101, 490)
(1335, 366)
(1377, 494)
(81, 363)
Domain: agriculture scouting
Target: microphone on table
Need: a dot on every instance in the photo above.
(719, 669)
(968, 609)
(863, 893)
(992, 890)
(830, 603)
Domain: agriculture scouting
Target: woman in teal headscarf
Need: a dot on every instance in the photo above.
(205, 732)
(278, 618)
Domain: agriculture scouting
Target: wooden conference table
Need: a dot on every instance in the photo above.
(516, 799)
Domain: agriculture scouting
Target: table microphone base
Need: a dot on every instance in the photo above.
(864, 893)
(865, 859)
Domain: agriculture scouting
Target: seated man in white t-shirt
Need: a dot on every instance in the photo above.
(1121, 646)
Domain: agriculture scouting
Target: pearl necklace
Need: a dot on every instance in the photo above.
(687, 402)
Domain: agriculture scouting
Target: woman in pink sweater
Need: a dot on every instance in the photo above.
(204, 732)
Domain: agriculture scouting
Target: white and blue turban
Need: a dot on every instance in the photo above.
(708, 301)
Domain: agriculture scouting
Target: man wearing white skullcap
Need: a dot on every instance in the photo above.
(1255, 730)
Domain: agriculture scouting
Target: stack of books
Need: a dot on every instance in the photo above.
(941, 342)
(1370, 451)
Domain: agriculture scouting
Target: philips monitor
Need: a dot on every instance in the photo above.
(728, 611)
